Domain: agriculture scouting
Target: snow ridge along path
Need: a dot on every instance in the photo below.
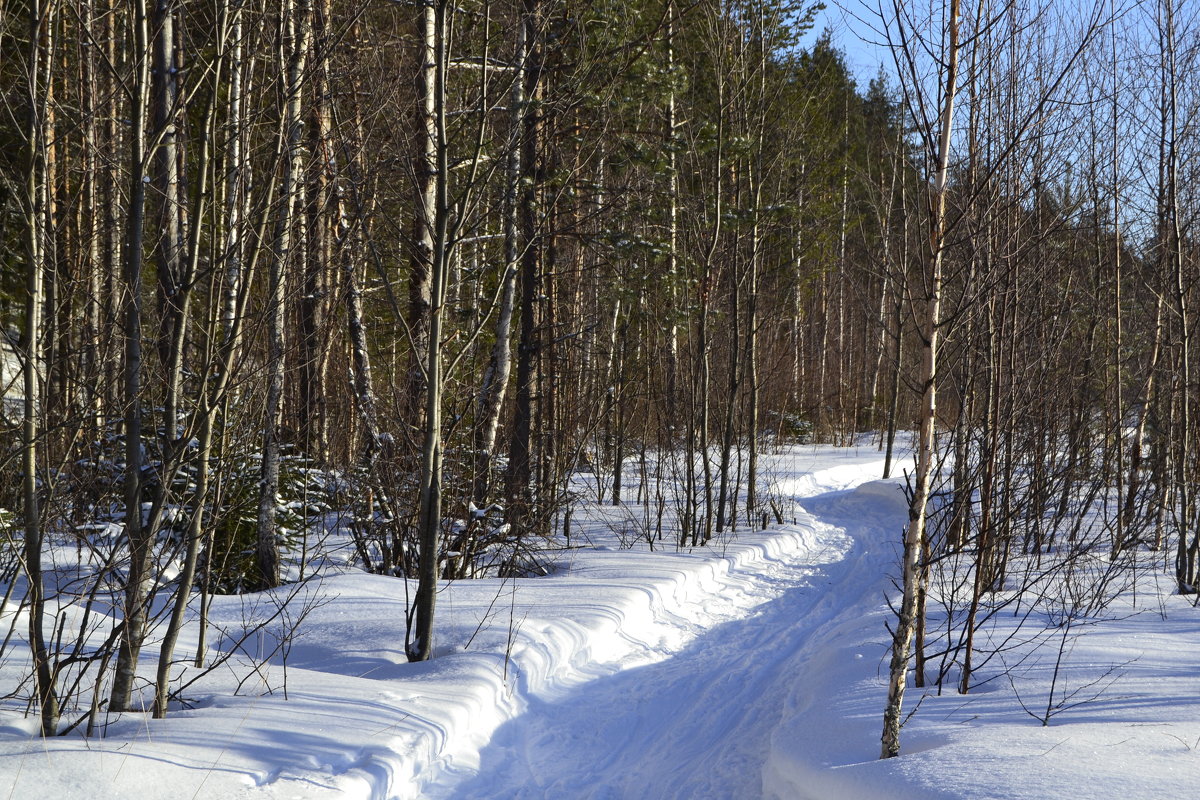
(624, 674)
(700, 723)
(747, 669)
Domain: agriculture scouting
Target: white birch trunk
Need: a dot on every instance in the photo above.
(914, 536)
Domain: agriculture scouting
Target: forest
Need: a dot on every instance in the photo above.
(422, 264)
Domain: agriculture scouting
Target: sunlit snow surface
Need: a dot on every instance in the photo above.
(750, 668)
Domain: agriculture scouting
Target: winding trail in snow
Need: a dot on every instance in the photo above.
(741, 711)
(752, 669)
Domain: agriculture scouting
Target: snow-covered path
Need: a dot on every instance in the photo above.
(704, 721)
(625, 674)
(748, 669)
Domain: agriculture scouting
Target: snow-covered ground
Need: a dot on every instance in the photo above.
(752, 668)
(11, 390)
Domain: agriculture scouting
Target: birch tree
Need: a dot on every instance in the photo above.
(38, 227)
(296, 25)
(936, 132)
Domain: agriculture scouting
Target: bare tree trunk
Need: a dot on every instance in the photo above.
(174, 287)
(209, 404)
(236, 277)
(898, 273)
(756, 177)
(420, 281)
(494, 386)
(914, 537)
(672, 377)
(708, 282)
(297, 24)
(91, 226)
(138, 579)
(752, 389)
(364, 392)
(520, 464)
(41, 49)
(325, 214)
(1136, 454)
(419, 646)
(724, 501)
(620, 347)
(111, 198)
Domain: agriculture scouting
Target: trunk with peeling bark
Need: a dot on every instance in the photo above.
(915, 535)
(421, 260)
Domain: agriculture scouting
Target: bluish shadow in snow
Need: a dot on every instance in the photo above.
(702, 722)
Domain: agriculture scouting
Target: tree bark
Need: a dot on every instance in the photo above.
(520, 463)
(37, 230)
(138, 579)
(429, 520)
(914, 537)
(297, 23)
(494, 386)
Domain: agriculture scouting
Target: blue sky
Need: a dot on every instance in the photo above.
(852, 35)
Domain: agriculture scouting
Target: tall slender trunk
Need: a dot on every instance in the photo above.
(900, 270)
(138, 578)
(672, 144)
(325, 215)
(725, 503)
(173, 285)
(236, 276)
(420, 281)
(844, 351)
(914, 536)
(756, 177)
(1170, 240)
(111, 198)
(209, 403)
(1119, 533)
(429, 521)
(1136, 453)
(703, 426)
(520, 466)
(620, 345)
(494, 386)
(709, 281)
(91, 227)
(297, 26)
(36, 229)
(752, 394)
(364, 391)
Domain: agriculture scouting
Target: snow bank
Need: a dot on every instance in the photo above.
(341, 713)
(749, 669)
(1135, 735)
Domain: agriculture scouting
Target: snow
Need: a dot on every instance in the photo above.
(12, 392)
(752, 668)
